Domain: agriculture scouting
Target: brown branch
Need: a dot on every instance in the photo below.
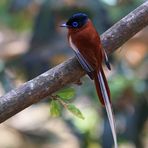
(70, 71)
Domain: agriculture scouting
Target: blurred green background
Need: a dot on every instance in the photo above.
(31, 42)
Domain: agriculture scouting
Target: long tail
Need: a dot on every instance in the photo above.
(104, 96)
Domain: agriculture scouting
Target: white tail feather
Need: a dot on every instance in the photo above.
(108, 108)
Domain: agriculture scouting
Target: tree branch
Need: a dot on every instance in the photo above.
(70, 71)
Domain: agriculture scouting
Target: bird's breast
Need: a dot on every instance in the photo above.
(87, 49)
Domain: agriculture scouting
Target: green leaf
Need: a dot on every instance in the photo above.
(55, 108)
(66, 94)
(75, 111)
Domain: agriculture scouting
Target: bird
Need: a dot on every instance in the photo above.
(85, 42)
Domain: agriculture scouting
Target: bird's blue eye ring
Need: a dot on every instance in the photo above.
(75, 24)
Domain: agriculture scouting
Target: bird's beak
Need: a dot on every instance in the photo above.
(63, 25)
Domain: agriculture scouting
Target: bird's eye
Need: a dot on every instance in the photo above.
(75, 24)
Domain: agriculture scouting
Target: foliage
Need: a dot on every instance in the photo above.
(55, 108)
(75, 111)
(66, 94)
(62, 98)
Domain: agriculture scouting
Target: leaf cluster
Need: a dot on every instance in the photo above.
(62, 99)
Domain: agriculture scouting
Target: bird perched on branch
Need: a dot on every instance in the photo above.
(85, 41)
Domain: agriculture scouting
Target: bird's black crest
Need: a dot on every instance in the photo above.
(77, 20)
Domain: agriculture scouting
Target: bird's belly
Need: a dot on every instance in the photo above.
(89, 51)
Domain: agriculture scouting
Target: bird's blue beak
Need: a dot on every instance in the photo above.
(64, 25)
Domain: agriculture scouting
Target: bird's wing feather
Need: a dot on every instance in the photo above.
(107, 63)
(85, 65)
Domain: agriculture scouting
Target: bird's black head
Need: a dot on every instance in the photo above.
(77, 20)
